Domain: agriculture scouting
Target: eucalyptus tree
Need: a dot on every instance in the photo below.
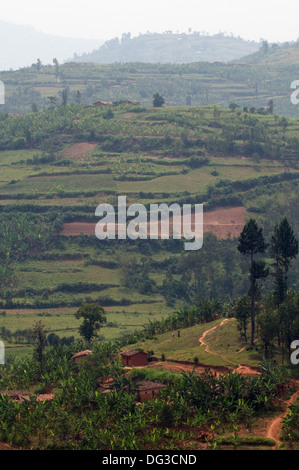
(283, 249)
(242, 314)
(251, 243)
(56, 65)
(39, 338)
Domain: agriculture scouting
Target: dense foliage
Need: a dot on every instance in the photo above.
(81, 418)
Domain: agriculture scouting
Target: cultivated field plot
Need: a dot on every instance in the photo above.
(224, 223)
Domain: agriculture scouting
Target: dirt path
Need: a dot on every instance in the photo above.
(202, 338)
(177, 367)
(4, 446)
(275, 427)
(203, 342)
(240, 368)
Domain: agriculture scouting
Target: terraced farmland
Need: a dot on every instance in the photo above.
(71, 159)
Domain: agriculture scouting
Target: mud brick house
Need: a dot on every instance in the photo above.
(81, 356)
(133, 358)
(146, 390)
(102, 103)
(20, 395)
(132, 102)
(15, 395)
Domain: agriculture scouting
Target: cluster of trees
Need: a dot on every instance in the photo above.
(26, 336)
(18, 336)
(158, 100)
(135, 275)
(280, 307)
(278, 325)
(215, 271)
(93, 316)
(265, 110)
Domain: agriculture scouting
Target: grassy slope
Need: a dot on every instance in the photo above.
(285, 54)
(224, 342)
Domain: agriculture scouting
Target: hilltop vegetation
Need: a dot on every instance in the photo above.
(274, 54)
(169, 47)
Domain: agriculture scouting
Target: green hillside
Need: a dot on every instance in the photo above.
(225, 346)
(213, 308)
(274, 54)
(251, 82)
(58, 165)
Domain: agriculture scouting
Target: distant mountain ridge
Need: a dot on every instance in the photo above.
(170, 48)
(23, 45)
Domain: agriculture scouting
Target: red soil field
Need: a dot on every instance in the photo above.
(223, 222)
(78, 151)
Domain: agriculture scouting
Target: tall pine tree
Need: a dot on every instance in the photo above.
(252, 242)
(283, 248)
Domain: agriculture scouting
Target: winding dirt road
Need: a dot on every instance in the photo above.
(242, 369)
(275, 425)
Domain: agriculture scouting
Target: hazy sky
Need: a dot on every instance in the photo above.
(104, 19)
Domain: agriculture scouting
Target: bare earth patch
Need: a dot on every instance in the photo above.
(223, 222)
(77, 228)
(78, 151)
